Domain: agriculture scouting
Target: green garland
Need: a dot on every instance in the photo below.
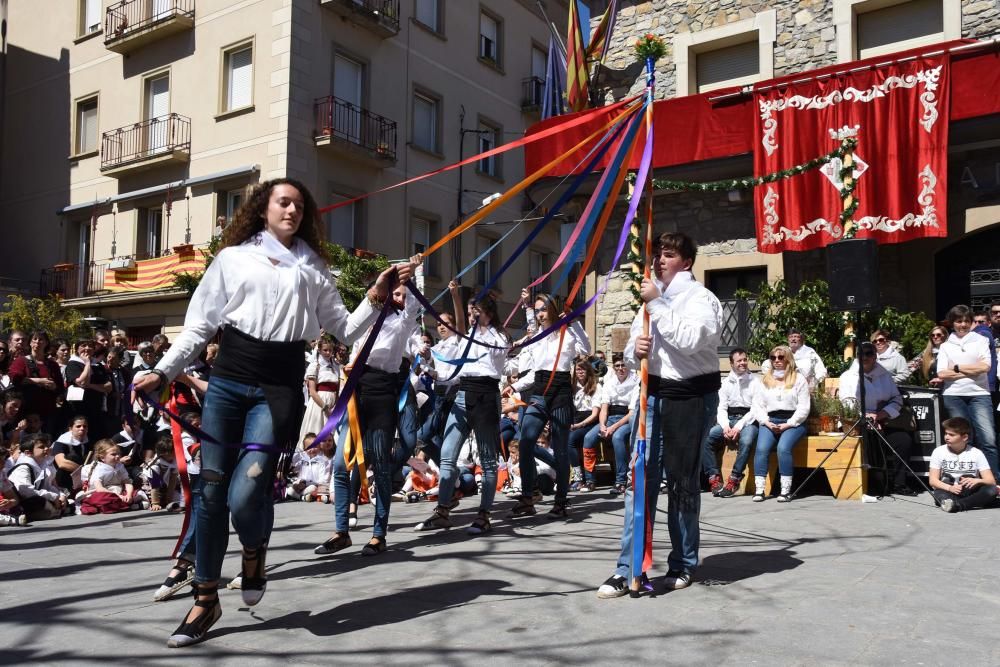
(847, 145)
(847, 214)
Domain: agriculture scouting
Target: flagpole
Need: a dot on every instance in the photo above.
(552, 28)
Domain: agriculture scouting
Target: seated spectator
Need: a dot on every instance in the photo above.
(963, 366)
(807, 360)
(110, 476)
(11, 513)
(159, 475)
(314, 467)
(33, 478)
(734, 422)
(10, 413)
(889, 358)
(513, 468)
(586, 410)
(71, 451)
(31, 423)
(883, 403)
(619, 392)
(780, 406)
(960, 476)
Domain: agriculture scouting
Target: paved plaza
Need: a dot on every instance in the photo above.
(815, 582)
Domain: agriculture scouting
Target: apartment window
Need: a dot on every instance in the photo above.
(149, 233)
(90, 17)
(426, 119)
(870, 28)
(490, 38)
(343, 224)
(428, 14)
(237, 67)
(234, 199)
(538, 264)
(735, 312)
(86, 127)
(423, 231)
(727, 66)
(489, 264)
(490, 136)
(734, 54)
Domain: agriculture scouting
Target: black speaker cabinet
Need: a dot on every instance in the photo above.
(852, 271)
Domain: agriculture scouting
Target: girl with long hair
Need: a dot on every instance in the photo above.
(477, 408)
(270, 290)
(548, 377)
(781, 407)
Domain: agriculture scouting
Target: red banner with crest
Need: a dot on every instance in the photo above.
(900, 114)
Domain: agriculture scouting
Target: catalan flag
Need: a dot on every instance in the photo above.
(577, 92)
(597, 49)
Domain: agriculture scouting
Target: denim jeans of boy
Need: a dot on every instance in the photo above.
(481, 412)
(532, 423)
(620, 441)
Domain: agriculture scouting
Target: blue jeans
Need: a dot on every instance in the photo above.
(465, 416)
(978, 411)
(620, 440)
(575, 444)
(234, 481)
(408, 426)
(432, 430)
(188, 548)
(681, 454)
(508, 430)
(786, 442)
(344, 492)
(748, 436)
(532, 424)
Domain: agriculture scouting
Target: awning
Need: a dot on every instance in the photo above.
(696, 128)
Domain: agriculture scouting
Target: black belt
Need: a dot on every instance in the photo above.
(737, 413)
(781, 414)
(617, 410)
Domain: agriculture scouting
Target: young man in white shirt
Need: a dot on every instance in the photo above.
(734, 422)
(683, 367)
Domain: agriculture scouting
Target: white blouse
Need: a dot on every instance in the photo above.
(543, 353)
(770, 399)
(490, 361)
(625, 393)
(584, 402)
(393, 342)
(323, 371)
(447, 348)
(285, 301)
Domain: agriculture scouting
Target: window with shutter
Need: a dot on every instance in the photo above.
(489, 38)
(906, 25)
(344, 222)
(90, 16)
(86, 126)
(239, 91)
(727, 66)
(427, 13)
(425, 121)
(489, 138)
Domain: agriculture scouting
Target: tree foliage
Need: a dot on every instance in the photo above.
(353, 272)
(776, 309)
(46, 314)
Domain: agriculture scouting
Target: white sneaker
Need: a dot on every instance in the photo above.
(22, 520)
(614, 587)
(948, 505)
(7, 520)
(236, 583)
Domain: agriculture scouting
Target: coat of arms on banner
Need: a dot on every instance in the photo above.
(900, 114)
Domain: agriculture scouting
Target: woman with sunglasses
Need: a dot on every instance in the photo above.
(889, 358)
(928, 358)
(780, 406)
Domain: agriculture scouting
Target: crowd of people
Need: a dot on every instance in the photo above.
(467, 413)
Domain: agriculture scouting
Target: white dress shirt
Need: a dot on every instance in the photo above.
(543, 354)
(686, 326)
(736, 392)
(394, 338)
(447, 348)
(584, 402)
(287, 301)
(624, 393)
(881, 392)
(771, 399)
(490, 361)
(969, 349)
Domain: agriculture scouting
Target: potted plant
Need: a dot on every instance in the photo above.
(848, 415)
(824, 413)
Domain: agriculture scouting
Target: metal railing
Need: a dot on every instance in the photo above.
(128, 16)
(338, 118)
(72, 281)
(142, 141)
(385, 12)
(532, 92)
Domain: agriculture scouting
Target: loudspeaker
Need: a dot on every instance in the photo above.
(852, 271)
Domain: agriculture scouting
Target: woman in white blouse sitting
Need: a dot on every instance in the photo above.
(780, 406)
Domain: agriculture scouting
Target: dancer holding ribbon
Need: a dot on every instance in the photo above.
(548, 376)
(681, 349)
(476, 407)
(270, 290)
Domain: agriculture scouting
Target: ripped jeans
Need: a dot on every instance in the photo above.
(233, 481)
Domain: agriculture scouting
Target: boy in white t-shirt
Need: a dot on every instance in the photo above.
(959, 474)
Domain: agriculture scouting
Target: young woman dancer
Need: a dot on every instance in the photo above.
(270, 290)
(476, 407)
(554, 405)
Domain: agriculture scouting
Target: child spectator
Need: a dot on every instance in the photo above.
(109, 476)
(959, 474)
(513, 468)
(10, 510)
(314, 469)
(70, 452)
(33, 478)
(159, 474)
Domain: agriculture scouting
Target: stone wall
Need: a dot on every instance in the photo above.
(806, 36)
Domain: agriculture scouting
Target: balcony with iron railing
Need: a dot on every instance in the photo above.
(161, 140)
(124, 275)
(131, 24)
(359, 133)
(379, 16)
(532, 92)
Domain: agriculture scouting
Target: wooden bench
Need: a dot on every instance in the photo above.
(843, 470)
